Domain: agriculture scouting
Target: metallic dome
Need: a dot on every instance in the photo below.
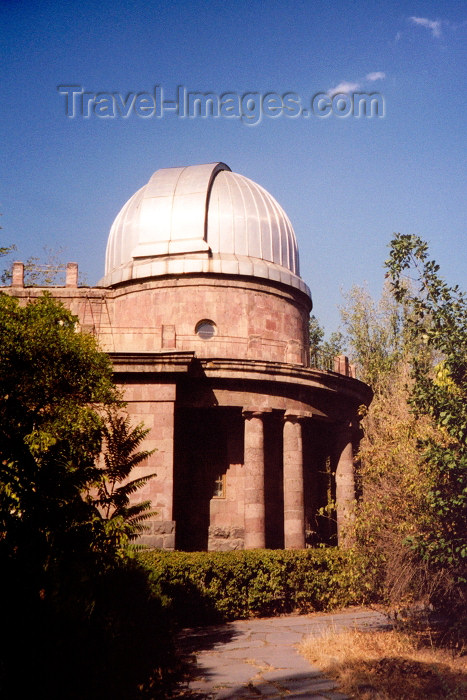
(202, 218)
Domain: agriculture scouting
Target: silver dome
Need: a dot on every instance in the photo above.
(202, 218)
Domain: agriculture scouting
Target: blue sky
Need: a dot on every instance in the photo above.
(346, 183)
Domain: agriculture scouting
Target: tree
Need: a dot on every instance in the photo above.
(5, 275)
(46, 271)
(374, 333)
(412, 347)
(66, 577)
(316, 333)
(323, 352)
(391, 477)
(52, 379)
(437, 316)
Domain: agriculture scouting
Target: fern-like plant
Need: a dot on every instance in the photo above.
(124, 520)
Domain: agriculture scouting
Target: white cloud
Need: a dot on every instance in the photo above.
(348, 87)
(398, 37)
(376, 75)
(435, 26)
(344, 87)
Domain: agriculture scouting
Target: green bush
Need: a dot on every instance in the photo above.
(208, 587)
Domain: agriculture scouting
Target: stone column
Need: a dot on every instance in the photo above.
(159, 417)
(294, 510)
(345, 488)
(254, 480)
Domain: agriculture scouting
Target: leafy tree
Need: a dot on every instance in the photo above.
(65, 577)
(51, 380)
(316, 333)
(45, 271)
(374, 333)
(5, 275)
(391, 478)
(323, 352)
(334, 345)
(436, 314)
(412, 346)
(4, 250)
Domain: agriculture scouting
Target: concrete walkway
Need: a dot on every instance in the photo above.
(258, 658)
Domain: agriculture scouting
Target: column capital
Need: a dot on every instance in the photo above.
(348, 431)
(254, 412)
(295, 416)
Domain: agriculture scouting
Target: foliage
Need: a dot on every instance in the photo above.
(390, 482)
(5, 275)
(107, 635)
(316, 333)
(45, 272)
(393, 484)
(391, 479)
(64, 568)
(334, 345)
(323, 352)
(209, 587)
(374, 333)
(122, 521)
(412, 512)
(50, 432)
(437, 314)
(5, 250)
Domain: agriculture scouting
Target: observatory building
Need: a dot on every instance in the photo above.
(205, 317)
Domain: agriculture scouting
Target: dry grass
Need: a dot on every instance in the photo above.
(387, 665)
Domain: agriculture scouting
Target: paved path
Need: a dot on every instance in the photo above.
(258, 658)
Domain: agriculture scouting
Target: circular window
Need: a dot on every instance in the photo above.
(205, 329)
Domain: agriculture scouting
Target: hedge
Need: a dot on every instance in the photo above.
(208, 587)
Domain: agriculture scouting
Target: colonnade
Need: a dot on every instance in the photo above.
(293, 480)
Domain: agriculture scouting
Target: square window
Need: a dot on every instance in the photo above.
(219, 486)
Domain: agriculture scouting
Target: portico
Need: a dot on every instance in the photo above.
(251, 450)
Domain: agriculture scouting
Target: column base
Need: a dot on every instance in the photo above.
(160, 534)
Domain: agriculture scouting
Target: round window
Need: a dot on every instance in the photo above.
(205, 329)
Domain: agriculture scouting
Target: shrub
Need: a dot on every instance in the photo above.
(208, 587)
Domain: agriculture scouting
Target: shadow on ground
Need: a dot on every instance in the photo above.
(301, 686)
(192, 641)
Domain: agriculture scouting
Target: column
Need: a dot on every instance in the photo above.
(254, 480)
(159, 417)
(294, 511)
(345, 488)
